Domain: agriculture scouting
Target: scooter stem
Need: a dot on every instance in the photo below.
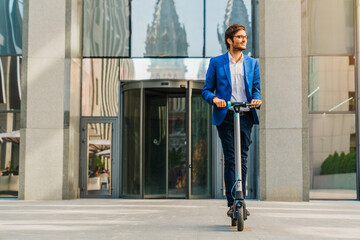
(238, 171)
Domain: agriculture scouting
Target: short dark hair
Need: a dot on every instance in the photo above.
(230, 32)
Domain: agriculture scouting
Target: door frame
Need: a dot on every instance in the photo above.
(115, 172)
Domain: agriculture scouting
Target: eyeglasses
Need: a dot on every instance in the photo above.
(242, 37)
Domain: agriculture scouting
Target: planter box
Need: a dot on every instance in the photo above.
(9, 183)
(335, 181)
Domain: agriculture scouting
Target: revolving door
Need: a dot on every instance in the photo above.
(166, 140)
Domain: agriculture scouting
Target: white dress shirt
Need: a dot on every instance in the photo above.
(238, 93)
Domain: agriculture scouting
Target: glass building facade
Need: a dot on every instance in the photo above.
(144, 63)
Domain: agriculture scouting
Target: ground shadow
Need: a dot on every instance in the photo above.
(221, 228)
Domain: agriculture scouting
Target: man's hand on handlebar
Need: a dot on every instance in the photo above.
(255, 101)
(219, 102)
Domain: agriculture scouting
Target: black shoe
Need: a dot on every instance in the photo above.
(230, 211)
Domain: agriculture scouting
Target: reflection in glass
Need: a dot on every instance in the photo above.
(167, 28)
(11, 17)
(106, 28)
(324, 17)
(221, 14)
(99, 163)
(155, 144)
(332, 152)
(331, 83)
(131, 143)
(10, 83)
(200, 146)
(169, 68)
(100, 85)
(177, 147)
(9, 154)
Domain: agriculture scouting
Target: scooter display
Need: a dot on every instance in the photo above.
(239, 207)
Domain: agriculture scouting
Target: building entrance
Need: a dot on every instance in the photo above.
(172, 127)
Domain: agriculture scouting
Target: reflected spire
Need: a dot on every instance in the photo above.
(165, 35)
(235, 12)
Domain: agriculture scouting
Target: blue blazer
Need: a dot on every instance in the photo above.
(218, 78)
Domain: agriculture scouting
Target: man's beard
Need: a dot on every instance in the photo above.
(239, 48)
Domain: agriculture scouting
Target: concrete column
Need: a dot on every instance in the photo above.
(49, 142)
(73, 53)
(284, 170)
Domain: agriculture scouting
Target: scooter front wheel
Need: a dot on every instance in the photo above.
(240, 218)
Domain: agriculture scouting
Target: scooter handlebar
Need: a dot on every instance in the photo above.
(240, 104)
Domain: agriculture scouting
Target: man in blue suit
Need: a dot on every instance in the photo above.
(234, 77)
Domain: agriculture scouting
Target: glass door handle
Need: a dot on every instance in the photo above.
(156, 142)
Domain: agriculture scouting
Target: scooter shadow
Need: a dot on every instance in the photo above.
(222, 228)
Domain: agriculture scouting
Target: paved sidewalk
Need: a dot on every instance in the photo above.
(176, 219)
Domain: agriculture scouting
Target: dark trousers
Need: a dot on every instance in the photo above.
(226, 134)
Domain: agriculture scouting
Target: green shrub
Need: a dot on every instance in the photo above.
(99, 163)
(343, 163)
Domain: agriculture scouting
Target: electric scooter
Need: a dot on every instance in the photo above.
(239, 207)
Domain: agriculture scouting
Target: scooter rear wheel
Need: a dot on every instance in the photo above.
(240, 218)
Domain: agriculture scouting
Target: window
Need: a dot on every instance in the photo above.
(167, 28)
(331, 23)
(219, 15)
(100, 87)
(106, 28)
(169, 68)
(11, 16)
(331, 83)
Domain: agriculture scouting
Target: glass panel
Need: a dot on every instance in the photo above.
(106, 28)
(99, 162)
(219, 15)
(177, 147)
(331, 83)
(11, 17)
(170, 68)
(200, 146)
(167, 28)
(131, 143)
(10, 83)
(331, 23)
(155, 145)
(100, 87)
(9, 154)
(332, 156)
